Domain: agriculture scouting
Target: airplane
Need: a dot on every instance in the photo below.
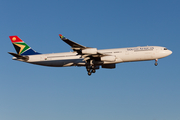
(89, 57)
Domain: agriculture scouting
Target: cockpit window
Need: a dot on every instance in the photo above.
(165, 48)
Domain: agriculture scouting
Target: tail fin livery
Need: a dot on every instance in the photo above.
(21, 47)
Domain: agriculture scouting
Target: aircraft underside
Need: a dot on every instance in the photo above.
(91, 65)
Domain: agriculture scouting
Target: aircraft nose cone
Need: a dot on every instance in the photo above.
(170, 52)
(166, 53)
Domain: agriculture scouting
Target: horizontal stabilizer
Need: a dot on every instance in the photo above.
(19, 56)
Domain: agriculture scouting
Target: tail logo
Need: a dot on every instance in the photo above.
(19, 45)
(23, 47)
(14, 38)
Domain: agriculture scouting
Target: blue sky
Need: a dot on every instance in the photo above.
(132, 91)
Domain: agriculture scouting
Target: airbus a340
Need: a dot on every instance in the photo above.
(91, 58)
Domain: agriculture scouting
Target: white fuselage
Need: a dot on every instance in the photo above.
(120, 54)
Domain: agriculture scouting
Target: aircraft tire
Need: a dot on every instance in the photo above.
(156, 64)
(93, 70)
(89, 73)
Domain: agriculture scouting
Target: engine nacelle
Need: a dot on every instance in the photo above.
(108, 58)
(110, 66)
(89, 51)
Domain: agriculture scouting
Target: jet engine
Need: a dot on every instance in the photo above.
(108, 58)
(110, 66)
(89, 51)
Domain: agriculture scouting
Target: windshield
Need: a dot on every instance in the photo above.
(165, 48)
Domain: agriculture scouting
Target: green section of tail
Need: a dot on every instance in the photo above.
(21, 47)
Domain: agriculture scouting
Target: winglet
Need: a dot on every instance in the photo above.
(62, 37)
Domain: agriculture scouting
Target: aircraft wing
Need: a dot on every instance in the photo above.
(75, 46)
(86, 52)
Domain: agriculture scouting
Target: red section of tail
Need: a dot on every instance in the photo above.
(15, 39)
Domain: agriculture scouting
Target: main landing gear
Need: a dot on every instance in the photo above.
(156, 62)
(91, 67)
(90, 70)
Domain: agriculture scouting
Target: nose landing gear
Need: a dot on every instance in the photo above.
(156, 62)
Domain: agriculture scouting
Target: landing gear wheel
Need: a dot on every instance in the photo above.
(88, 70)
(156, 64)
(89, 73)
(156, 60)
(93, 70)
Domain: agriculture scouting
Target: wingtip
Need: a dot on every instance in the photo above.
(61, 36)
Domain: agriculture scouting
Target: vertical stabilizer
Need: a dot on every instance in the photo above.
(21, 47)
